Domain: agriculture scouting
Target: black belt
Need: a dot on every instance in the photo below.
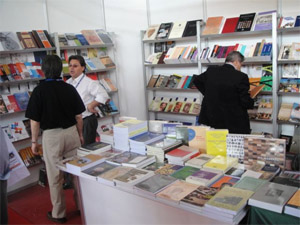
(92, 115)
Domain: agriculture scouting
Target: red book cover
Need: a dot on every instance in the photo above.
(13, 103)
(230, 25)
(37, 66)
(229, 49)
(14, 71)
(235, 47)
(186, 78)
(178, 153)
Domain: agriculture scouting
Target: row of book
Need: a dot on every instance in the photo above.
(29, 158)
(20, 71)
(41, 39)
(218, 24)
(175, 105)
(220, 52)
(16, 102)
(172, 81)
(247, 22)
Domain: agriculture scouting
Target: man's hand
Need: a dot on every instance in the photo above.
(34, 148)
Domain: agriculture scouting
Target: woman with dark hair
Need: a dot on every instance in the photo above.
(56, 108)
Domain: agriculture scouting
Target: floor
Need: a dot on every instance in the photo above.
(30, 206)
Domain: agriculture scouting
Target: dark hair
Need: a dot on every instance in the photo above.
(52, 66)
(235, 55)
(79, 58)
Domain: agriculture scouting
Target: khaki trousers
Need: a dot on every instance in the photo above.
(58, 143)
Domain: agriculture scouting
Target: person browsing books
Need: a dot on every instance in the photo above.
(55, 107)
(226, 96)
(91, 93)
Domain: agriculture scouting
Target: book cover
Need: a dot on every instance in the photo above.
(224, 181)
(104, 36)
(200, 196)
(168, 169)
(164, 30)
(286, 22)
(43, 38)
(221, 163)
(177, 30)
(236, 171)
(132, 177)
(203, 177)
(199, 161)
(184, 172)
(155, 183)
(264, 20)
(124, 157)
(22, 99)
(250, 183)
(264, 150)
(216, 142)
(297, 21)
(96, 146)
(26, 40)
(230, 200)
(176, 191)
(272, 196)
(72, 39)
(92, 37)
(230, 25)
(245, 22)
(98, 169)
(107, 62)
(151, 32)
(285, 111)
(190, 28)
(213, 25)
(290, 71)
(293, 205)
(9, 41)
(77, 165)
(295, 114)
(152, 80)
(3, 108)
(11, 103)
(113, 173)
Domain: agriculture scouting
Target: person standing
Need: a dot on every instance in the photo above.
(4, 174)
(55, 107)
(91, 93)
(226, 96)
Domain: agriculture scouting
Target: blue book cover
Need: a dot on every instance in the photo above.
(22, 100)
(187, 83)
(113, 106)
(82, 39)
(297, 22)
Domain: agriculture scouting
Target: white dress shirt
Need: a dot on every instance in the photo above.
(89, 90)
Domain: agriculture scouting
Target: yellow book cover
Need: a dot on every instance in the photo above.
(295, 200)
(216, 142)
(221, 163)
(82, 163)
(230, 200)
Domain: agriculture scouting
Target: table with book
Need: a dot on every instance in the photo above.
(192, 187)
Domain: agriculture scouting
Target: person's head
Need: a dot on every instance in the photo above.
(236, 58)
(52, 66)
(76, 65)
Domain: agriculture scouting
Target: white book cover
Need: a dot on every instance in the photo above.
(177, 29)
(151, 32)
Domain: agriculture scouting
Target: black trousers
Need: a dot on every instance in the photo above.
(3, 202)
(90, 124)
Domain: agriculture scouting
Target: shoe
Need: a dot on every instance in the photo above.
(56, 220)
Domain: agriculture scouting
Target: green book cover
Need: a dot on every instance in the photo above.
(249, 183)
(184, 172)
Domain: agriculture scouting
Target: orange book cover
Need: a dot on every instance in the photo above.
(44, 39)
(213, 25)
(255, 91)
(225, 180)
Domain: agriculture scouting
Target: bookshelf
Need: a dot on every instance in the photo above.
(167, 69)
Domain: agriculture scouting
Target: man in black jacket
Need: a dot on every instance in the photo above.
(226, 96)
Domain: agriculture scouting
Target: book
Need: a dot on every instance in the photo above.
(245, 22)
(286, 22)
(107, 62)
(264, 150)
(132, 177)
(230, 200)
(250, 183)
(124, 157)
(3, 108)
(236, 171)
(221, 163)
(297, 21)
(11, 103)
(293, 205)
(104, 36)
(81, 40)
(9, 41)
(181, 154)
(256, 90)
(264, 20)
(216, 142)
(77, 165)
(153, 81)
(295, 113)
(177, 29)
(230, 25)
(176, 191)
(272, 196)
(97, 170)
(199, 197)
(168, 169)
(154, 184)
(184, 172)
(285, 52)
(72, 39)
(203, 177)
(213, 25)
(191, 28)
(140, 161)
(285, 111)
(151, 32)
(40, 34)
(295, 51)
(22, 99)
(164, 30)
(224, 181)
(199, 161)
(182, 134)
(95, 148)
(26, 40)
(92, 37)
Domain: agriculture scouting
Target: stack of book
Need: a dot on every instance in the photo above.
(93, 148)
(203, 177)
(138, 143)
(221, 163)
(228, 205)
(181, 154)
(106, 133)
(199, 161)
(128, 129)
(140, 161)
(159, 148)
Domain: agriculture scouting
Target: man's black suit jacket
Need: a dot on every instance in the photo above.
(226, 99)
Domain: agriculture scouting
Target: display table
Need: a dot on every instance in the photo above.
(103, 204)
(263, 216)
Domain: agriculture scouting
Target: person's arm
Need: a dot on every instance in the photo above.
(243, 87)
(100, 95)
(79, 126)
(35, 128)
(199, 82)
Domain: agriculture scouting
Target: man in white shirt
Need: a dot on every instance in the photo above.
(91, 93)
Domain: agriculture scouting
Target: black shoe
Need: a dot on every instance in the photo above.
(56, 220)
(67, 186)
